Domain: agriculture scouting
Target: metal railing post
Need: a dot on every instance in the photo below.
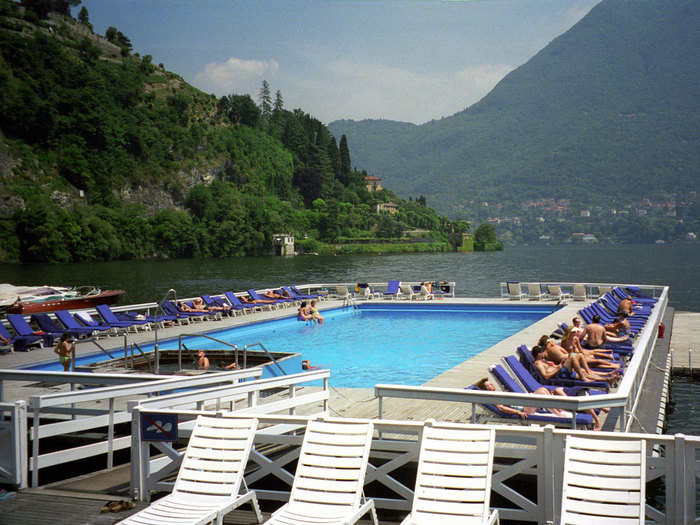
(110, 435)
(546, 483)
(678, 514)
(35, 442)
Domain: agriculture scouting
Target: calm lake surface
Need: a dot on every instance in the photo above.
(476, 274)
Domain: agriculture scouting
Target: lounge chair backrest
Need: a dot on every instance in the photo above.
(579, 292)
(107, 313)
(534, 290)
(19, 324)
(4, 332)
(453, 483)
(604, 481)
(392, 287)
(233, 299)
(67, 319)
(406, 290)
(332, 450)
(46, 323)
(215, 460)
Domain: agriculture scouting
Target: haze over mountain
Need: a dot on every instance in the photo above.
(608, 112)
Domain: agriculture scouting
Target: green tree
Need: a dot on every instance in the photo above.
(84, 18)
(344, 161)
(279, 103)
(265, 100)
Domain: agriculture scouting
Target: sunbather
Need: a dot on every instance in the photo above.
(620, 327)
(183, 306)
(523, 412)
(200, 306)
(595, 336)
(249, 300)
(568, 368)
(596, 357)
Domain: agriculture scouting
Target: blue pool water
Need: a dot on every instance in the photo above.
(382, 343)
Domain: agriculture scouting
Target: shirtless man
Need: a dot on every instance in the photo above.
(569, 368)
(202, 360)
(185, 308)
(594, 335)
(199, 305)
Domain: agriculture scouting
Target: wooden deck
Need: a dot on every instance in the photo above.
(39, 507)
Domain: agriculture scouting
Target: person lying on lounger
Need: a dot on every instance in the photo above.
(570, 344)
(246, 299)
(568, 368)
(199, 305)
(186, 308)
(594, 335)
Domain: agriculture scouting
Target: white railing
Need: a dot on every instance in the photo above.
(622, 404)
(78, 411)
(522, 453)
(592, 289)
(147, 473)
(13, 439)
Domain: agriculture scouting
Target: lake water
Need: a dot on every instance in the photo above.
(476, 274)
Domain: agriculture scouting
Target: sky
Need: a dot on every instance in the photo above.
(407, 60)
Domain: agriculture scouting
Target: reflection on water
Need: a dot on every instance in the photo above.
(476, 274)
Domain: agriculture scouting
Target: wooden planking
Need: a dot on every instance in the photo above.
(34, 508)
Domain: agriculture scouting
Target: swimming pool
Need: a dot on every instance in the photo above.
(383, 343)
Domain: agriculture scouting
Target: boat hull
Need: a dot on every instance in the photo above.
(69, 303)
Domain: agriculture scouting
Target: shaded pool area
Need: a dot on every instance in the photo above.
(372, 343)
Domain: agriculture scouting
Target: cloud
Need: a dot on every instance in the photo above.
(370, 90)
(234, 75)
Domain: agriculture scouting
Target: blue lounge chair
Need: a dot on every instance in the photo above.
(20, 343)
(21, 326)
(581, 419)
(392, 290)
(214, 302)
(87, 320)
(319, 295)
(108, 315)
(48, 325)
(171, 310)
(257, 297)
(297, 295)
(528, 361)
(73, 327)
(531, 384)
(237, 304)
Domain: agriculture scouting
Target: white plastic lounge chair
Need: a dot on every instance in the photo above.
(327, 486)
(514, 291)
(602, 290)
(342, 292)
(210, 477)
(534, 292)
(407, 292)
(555, 292)
(453, 484)
(580, 292)
(424, 293)
(604, 481)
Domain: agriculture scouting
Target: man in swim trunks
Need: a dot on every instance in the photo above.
(64, 349)
(619, 327)
(558, 353)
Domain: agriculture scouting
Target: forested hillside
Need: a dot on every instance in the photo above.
(105, 155)
(602, 124)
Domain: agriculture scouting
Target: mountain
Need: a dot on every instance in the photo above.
(607, 114)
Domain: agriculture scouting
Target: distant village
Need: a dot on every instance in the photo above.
(548, 215)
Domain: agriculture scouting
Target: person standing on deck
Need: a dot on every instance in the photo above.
(64, 349)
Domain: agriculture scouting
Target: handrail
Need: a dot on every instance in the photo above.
(143, 354)
(180, 345)
(245, 347)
